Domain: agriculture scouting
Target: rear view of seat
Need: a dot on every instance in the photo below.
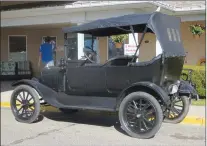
(145, 63)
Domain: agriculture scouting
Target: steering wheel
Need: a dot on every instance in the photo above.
(90, 54)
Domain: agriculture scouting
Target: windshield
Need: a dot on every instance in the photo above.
(88, 44)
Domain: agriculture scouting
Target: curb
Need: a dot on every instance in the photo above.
(191, 120)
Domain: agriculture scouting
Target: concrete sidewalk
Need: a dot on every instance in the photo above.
(196, 114)
(197, 111)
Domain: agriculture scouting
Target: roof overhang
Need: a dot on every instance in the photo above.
(84, 11)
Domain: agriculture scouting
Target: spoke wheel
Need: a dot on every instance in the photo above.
(25, 104)
(140, 115)
(178, 110)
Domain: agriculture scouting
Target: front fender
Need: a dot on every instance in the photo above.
(48, 94)
(154, 89)
(186, 89)
(32, 83)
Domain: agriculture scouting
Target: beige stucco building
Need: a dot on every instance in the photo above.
(35, 23)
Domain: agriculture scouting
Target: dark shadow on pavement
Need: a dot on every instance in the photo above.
(105, 119)
(40, 118)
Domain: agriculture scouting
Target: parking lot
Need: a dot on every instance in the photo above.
(90, 129)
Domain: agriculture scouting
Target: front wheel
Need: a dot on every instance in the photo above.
(178, 110)
(25, 104)
(140, 115)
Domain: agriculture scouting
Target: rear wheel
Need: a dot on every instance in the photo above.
(140, 115)
(178, 110)
(25, 104)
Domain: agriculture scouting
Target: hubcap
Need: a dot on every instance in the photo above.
(138, 115)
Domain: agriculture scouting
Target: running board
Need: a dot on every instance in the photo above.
(62, 100)
(87, 102)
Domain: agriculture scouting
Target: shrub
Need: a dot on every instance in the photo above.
(198, 78)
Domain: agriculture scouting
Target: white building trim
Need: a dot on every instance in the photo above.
(158, 48)
(75, 17)
(192, 17)
(80, 39)
(131, 39)
(83, 11)
(193, 8)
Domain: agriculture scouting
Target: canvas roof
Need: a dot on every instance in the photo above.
(166, 28)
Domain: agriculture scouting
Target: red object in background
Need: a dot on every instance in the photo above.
(202, 61)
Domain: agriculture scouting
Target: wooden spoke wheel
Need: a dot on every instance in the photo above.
(178, 110)
(140, 115)
(25, 104)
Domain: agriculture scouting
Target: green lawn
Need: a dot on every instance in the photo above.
(194, 67)
(200, 102)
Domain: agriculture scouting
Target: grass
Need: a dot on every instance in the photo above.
(200, 102)
(194, 67)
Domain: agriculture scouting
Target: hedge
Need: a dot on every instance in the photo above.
(198, 78)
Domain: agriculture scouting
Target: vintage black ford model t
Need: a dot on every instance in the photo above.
(142, 93)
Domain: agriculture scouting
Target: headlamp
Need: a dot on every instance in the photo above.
(173, 88)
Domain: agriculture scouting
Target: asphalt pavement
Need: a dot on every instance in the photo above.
(90, 129)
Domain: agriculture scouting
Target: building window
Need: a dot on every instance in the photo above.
(17, 48)
(113, 51)
(71, 46)
(88, 46)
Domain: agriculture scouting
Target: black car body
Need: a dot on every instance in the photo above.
(83, 84)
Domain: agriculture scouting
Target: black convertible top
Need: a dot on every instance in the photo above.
(166, 28)
(107, 27)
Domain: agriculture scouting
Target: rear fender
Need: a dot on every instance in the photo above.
(47, 94)
(148, 87)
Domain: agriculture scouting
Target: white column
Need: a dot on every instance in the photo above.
(131, 39)
(80, 40)
(158, 48)
(80, 44)
(96, 47)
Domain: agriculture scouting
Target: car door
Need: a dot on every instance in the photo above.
(75, 77)
(117, 78)
(95, 80)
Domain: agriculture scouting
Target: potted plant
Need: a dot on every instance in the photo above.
(197, 30)
(119, 39)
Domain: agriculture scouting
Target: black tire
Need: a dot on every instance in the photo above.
(179, 118)
(68, 111)
(158, 116)
(25, 104)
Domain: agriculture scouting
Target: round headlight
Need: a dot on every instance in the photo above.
(173, 88)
